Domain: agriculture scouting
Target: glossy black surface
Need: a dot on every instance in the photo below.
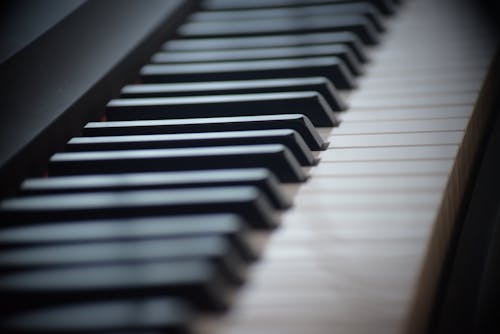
(215, 249)
(254, 42)
(275, 157)
(230, 226)
(289, 138)
(334, 50)
(303, 12)
(166, 315)
(357, 24)
(246, 201)
(329, 67)
(53, 85)
(261, 178)
(386, 6)
(310, 104)
(297, 122)
(199, 281)
(320, 85)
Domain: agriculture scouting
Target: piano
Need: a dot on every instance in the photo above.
(230, 166)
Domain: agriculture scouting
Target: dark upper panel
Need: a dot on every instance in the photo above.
(66, 75)
(23, 21)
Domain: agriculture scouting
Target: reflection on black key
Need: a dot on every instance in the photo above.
(336, 50)
(258, 177)
(386, 6)
(246, 201)
(289, 138)
(310, 104)
(297, 122)
(215, 249)
(301, 12)
(164, 314)
(330, 67)
(356, 24)
(275, 157)
(321, 85)
(200, 281)
(253, 42)
(230, 226)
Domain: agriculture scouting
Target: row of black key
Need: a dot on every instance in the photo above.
(159, 199)
(385, 6)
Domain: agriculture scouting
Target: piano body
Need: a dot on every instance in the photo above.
(116, 175)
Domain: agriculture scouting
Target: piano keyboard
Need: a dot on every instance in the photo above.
(229, 190)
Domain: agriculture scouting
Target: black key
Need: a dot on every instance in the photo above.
(336, 50)
(316, 84)
(233, 43)
(357, 24)
(275, 157)
(257, 177)
(311, 104)
(215, 249)
(167, 315)
(305, 12)
(199, 281)
(297, 122)
(246, 201)
(330, 67)
(230, 226)
(286, 137)
(385, 6)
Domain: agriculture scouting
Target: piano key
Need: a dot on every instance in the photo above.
(215, 249)
(286, 137)
(387, 167)
(356, 24)
(164, 314)
(197, 280)
(230, 226)
(366, 201)
(275, 157)
(403, 125)
(297, 122)
(431, 78)
(261, 178)
(377, 184)
(423, 64)
(398, 139)
(335, 50)
(246, 201)
(300, 12)
(391, 153)
(321, 85)
(436, 112)
(254, 42)
(416, 90)
(386, 6)
(311, 104)
(332, 68)
(380, 102)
